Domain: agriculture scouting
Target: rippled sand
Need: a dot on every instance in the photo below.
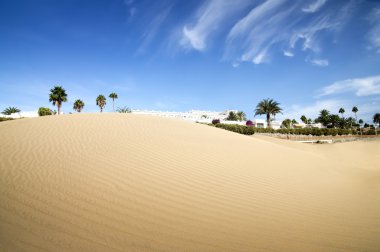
(124, 182)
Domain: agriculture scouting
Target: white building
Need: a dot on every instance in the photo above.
(262, 123)
(310, 125)
(22, 114)
(192, 115)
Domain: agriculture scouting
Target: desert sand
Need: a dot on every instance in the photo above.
(123, 182)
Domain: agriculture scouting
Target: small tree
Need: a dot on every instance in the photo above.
(113, 96)
(101, 102)
(44, 111)
(78, 105)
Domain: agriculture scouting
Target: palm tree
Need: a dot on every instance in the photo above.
(376, 120)
(101, 102)
(113, 96)
(341, 111)
(334, 120)
(355, 110)
(268, 107)
(304, 119)
(232, 116)
(360, 126)
(324, 117)
(124, 110)
(10, 110)
(57, 96)
(241, 116)
(78, 105)
(286, 123)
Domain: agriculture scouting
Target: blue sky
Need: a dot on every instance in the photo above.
(179, 55)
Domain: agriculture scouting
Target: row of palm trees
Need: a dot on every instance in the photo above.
(270, 107)
(58, 95)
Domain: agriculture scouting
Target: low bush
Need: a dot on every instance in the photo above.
(249, 130)
(2, 119)
(44, 111)
(241, 129)
(215, 121)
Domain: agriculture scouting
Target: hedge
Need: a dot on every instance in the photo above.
(248, 130)
(241, 129)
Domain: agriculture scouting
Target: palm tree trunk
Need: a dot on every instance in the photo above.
(268, 120)
(59, 108)
(113, 104)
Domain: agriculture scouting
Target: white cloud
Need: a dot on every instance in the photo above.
(210, 17)
(361, 87)
(314, 7)
(260, 57)
(374, 32)
(153, 28)
(276, 23)
(320, 62)
(288, 53)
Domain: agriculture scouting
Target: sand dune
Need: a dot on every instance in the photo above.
(122, 182)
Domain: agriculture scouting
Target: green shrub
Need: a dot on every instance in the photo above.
(241, 129)
(44, 111)
(2, 119)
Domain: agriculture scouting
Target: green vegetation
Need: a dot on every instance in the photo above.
(286, 123)
(2, 119)
(113, 96)
(304, 119)
(268, 107)
(78, 105)
(101, 102)
(241, 129)
(57, 96)
(10, 110)
(249, 130)
(124, 110)
(44, 111)
(341, 111)
(238, 116)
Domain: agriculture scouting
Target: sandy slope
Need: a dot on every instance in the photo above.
(117, 182)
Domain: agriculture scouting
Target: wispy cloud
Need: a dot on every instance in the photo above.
(153, 27)
(361, 87)
(374, 32)
(320, 62)
(288, 53)
(209, 18)
(314, 7)
(282, 23)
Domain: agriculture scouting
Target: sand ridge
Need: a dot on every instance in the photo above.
(124, 182)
